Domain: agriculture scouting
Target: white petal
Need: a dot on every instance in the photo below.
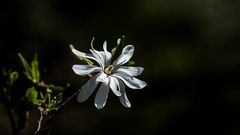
(103, 57)
(114, 85)
(97, 55)
(102, 95)
(126, 55)
(85, 69)
(82, 54)
(107, 54)
(130, 81)
(132, 71)
(102, 77)
(123, 98)
(87, 89)
(105, 46)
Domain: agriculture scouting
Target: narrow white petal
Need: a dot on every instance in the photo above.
(102, 77)
(102, 95)
(87, 89)
(103, 57)
(132, 71)
(130, 81)
(114, 85)
(97, 55)
(105, 46)
(126, 55)
(107, 54)
(123, 98)
(82, 54)
(85, 69)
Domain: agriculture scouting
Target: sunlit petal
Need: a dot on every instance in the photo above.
(132, 71)
(123, 98)
(85, 69)
(130, 81)
(126, 55)
(102, 77)
(114, 85)
(107, 54)
(82, 54)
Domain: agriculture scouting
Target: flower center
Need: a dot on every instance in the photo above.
(108, 70)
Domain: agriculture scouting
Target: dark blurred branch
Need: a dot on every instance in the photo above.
(11, 114)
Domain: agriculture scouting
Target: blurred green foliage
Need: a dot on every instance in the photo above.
(42, 95)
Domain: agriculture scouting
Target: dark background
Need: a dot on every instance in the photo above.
(189, 48)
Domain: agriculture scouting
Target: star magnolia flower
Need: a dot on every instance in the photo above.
(110, 75)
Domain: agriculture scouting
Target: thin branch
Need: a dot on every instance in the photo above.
(43, 124)
(39, 121)
(60, 107)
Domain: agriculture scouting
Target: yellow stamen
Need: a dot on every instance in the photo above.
(108, 70)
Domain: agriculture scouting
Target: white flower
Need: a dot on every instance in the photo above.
(110, 75)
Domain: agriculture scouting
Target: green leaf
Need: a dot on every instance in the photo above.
(83, 59)
(48, 90)
(10, 76)
(130, 63)
(59, 98)
(28, 71)
(49, 98)
(57, 88)
(35, 70)
(13, 77)
(116, 51)
(31, 95)
(119, 41)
